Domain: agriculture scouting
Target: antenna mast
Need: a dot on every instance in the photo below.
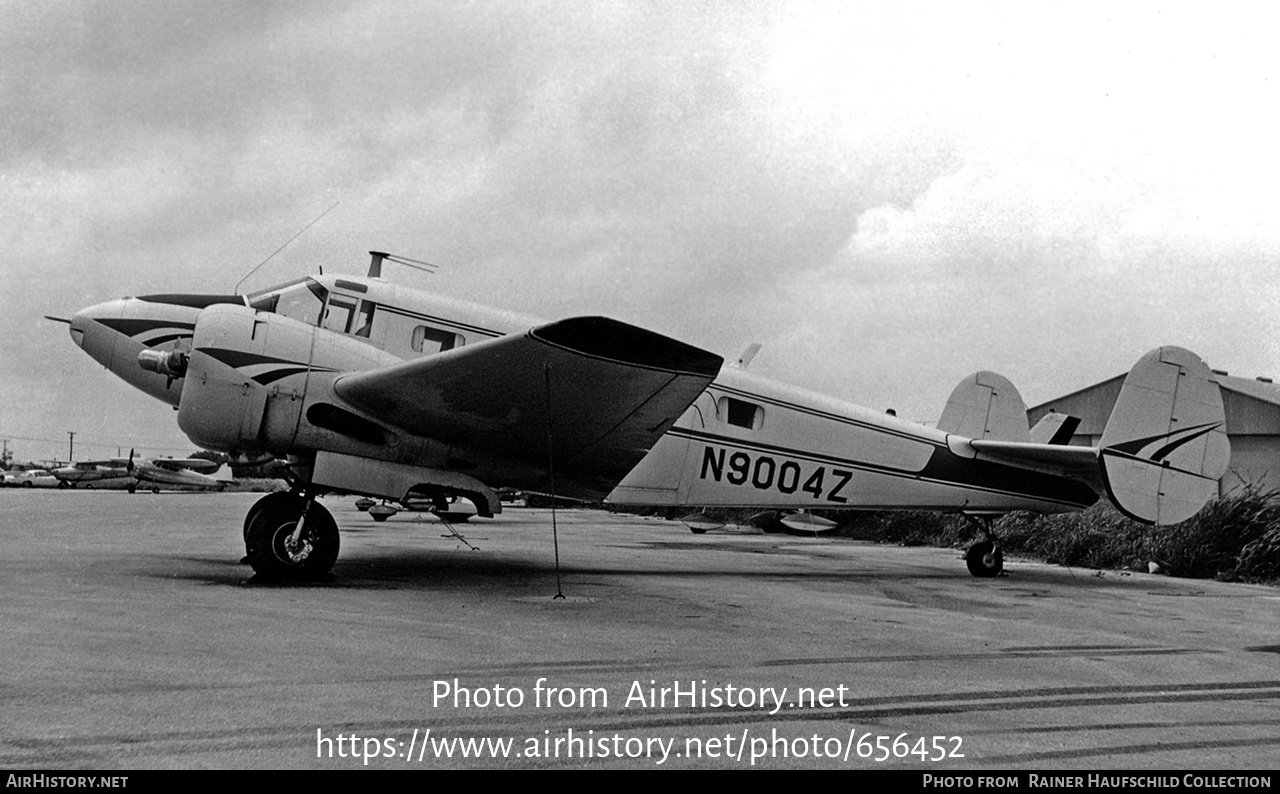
(375, 266)
(281, 248)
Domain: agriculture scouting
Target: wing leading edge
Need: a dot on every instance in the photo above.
(602, 390)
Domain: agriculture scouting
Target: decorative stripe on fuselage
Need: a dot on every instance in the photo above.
(135, 328)
(942, 468)
(816, 412)
(437, 320)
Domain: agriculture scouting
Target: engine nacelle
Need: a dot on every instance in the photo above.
(251, 377)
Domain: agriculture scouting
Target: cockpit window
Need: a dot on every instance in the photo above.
(301, 300)
(364, 323)
(337, 317)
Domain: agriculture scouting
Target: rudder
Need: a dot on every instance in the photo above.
(1165, 446)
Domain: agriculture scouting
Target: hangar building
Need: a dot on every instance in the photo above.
(1253, 423)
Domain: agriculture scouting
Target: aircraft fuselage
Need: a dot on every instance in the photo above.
(268, 363)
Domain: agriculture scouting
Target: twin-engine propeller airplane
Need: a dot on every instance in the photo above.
(153, 473)
(370, 388)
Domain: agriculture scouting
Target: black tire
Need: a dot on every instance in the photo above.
(697, 531)
(283, 500)
(133, 488)
(63, 484)
(984, 559)
(27, 484)
(269, 552)
(379, 516)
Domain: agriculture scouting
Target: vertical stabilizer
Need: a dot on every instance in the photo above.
(1055, 428)
(986, 406)
(1165, 446)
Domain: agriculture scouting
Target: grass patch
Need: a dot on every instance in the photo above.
(1235, 538)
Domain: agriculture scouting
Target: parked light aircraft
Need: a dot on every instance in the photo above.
(153, 473)
(371, 388)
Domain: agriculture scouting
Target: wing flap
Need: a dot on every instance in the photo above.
(612, 389)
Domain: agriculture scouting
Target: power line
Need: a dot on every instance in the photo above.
(110, 443)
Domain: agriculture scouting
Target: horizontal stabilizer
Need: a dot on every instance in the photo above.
(1062, 460)
(1165, 446)
(986, 406)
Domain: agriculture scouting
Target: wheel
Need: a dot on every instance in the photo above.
(26, 484)
(273, 554)
(698, 530)
(63, 484)
(133, 487)
(984, 559)
(291, 503)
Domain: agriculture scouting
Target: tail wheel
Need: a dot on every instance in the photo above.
(984, 559)
(276, 555)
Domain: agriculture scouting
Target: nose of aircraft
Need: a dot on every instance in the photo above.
(90, 332)
(78, 322)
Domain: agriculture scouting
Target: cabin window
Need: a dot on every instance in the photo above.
(740, 413)
(433, 340)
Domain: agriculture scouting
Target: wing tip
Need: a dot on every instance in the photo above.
(602, 337)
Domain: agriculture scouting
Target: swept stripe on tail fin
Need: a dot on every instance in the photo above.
(1165, 446)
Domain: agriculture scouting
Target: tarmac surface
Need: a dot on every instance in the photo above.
(131, 638)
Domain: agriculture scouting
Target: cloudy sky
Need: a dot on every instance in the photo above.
(887, 196)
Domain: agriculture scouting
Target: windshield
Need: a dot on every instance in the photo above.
(302, 300)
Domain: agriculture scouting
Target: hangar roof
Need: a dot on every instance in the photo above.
(1252, 405)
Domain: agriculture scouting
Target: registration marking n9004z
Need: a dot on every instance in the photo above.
(765, 473)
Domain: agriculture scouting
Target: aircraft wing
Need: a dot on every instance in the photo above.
(198, 465)
(1080, 463)
(609, 389)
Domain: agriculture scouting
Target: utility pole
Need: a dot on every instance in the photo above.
(71, 450)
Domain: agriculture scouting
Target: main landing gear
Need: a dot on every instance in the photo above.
(984, 558)
(290, 537)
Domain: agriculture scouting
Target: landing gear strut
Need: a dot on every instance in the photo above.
(984, 558)
(289, 537)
